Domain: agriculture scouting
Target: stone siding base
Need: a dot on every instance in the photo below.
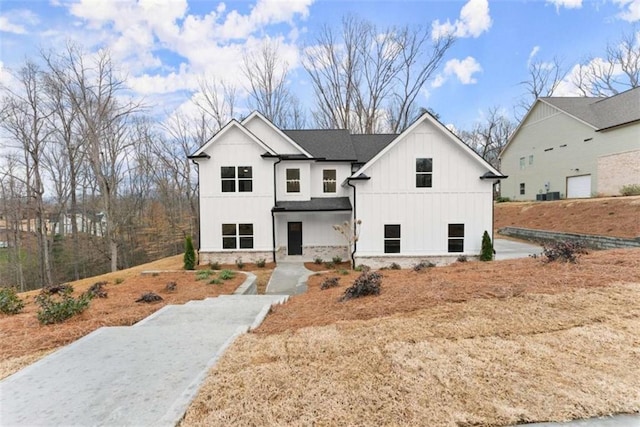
(309, 253)
(230, 257)
(377, 262)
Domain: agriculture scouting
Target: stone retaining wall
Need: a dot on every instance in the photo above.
(589, 240)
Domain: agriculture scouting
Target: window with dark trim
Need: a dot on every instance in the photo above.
(424, 172)
(456, 238)
(392, 238)
(329, 180)
(293, 180)
(521, 188)
(244, 179)
(240, 236)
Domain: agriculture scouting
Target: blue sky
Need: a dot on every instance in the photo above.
(165, 46)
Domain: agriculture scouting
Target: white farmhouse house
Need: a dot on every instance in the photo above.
(574, 147)
(276, 194)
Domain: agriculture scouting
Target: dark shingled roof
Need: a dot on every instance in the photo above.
(602, 113)
(315, 204)
(338, 144)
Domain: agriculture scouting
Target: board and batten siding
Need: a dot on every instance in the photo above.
(270, 136)
(458, 196)
(217, 208)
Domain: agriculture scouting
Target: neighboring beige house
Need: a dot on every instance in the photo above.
(570, 147)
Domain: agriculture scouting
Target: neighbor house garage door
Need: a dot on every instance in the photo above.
(578, 186)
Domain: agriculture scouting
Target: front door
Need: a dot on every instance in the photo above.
(294, 232)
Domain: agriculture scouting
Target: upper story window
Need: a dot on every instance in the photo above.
(530, 159)
(456, 237)
(329, 181)
(293, 180)
(240, 177)
(392, 238)
(424, 172)
(521, 162)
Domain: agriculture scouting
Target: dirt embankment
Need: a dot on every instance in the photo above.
(612, 216)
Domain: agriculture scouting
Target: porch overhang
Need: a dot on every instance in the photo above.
(316, 204)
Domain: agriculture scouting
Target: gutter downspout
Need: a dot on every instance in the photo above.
(355, 242)
(199, 225)
(273, 215)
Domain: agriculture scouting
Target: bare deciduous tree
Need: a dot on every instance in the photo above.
(490, 136)
(217, 100)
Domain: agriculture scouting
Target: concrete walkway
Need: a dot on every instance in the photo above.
(143, 375)
(509, 249)
(631, 420)
(288, 278)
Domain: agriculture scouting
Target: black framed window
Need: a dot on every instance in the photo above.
(424, 172)
(245, 179)
(246, 236)
(456, 237)
(329, 180)
(229, 236)
(293, 180)
(237, 236)
(521, 188)
(392, 238)
(228, 176)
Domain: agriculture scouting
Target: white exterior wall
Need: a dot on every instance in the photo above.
(216, 208)
(343, 170)
(270, 136)
(305, 180)
(548, 128)
(391, 197)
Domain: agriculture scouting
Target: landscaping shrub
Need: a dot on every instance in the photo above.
(336, 259)
(239, 264)
(362, 267)
(394, 266)
(462, 258)
(563, 250)
(261, 262)
(203, 274)
(215, 281)
(502, 199)
(330, 282)
(226, 275)
(214, 265)
(317, 260)
(97, 290)
(10, 302)
(149, 297)
(423, 265)
(57, 289)
(630, 190)
(119, 280)
(486, 253)
(62, 306)
(171, 287)
(189, 254)
(368, 283)
(329, 265)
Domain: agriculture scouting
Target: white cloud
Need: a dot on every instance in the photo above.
(532, 54)
(463, 70)
(568, 4)
(8, 27)
(473, 21)
(16, 21)
(632, 10)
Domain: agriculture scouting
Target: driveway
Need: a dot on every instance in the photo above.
(509, 249)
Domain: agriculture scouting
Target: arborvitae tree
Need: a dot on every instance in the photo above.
(189, 254)
(486, 253)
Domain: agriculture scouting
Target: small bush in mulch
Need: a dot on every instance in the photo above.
(227, 275)
(362, 267)
(423, 265)
(56, 308)
(317, 260)
(203, 274)
(563, 251)
(10, 302)
(171, 287)
(97, 290)
(330, 282)
(368, 283)
(57, 289)
(395, 266)
(462, 258)
(149, 297)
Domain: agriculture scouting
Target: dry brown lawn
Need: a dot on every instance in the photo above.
(470, 344)
(23, 340)
(610, 216)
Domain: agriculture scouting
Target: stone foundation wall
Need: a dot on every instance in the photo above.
(377, 262)
(326, 253)
(589, 240)
(230, 257)
(617, 170)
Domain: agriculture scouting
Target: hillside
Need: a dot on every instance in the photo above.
(611, 216)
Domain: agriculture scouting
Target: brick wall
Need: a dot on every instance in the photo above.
(616, 170)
